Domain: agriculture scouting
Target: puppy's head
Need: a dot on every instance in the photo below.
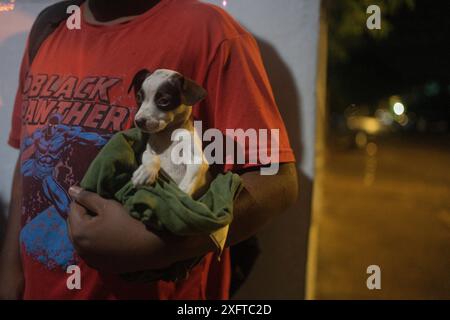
(164, 96)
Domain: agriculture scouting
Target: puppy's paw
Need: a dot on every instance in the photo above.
(145, 175)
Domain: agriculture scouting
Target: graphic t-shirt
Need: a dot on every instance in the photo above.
(74, 96)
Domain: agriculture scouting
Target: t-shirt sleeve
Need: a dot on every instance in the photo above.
(16, 121)
(242, 106)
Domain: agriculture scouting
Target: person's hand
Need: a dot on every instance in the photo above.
(109, 239)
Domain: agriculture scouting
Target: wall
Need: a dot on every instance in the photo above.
(14, 27)
(287, 32)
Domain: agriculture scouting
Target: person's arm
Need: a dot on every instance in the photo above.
(263, 198)
(115, 242)
(11, 274)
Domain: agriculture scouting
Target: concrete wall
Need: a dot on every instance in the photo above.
(287, 32)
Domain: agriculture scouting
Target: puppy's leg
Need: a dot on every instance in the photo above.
(147, 173)
(188, 182)
(194, 171)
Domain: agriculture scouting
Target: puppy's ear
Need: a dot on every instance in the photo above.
(191, 92)
(138, 80)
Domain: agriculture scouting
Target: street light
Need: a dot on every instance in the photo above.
(398, 108)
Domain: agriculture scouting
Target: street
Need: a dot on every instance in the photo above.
(386, 205)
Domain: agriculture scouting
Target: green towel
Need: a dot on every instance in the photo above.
(162, 206)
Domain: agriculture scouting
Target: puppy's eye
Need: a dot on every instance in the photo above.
(164, 102)
(139, 97)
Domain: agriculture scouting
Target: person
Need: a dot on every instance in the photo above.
(83, 75)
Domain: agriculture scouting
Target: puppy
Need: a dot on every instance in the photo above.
(165, 100)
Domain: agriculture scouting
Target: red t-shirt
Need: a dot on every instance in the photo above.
(79, 81)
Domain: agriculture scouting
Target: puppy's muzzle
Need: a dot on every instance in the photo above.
(140, 123)
(149, 125)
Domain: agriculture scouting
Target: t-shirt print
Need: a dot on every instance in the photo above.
(69, 116)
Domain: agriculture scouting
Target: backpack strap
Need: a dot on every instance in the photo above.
(47, 22)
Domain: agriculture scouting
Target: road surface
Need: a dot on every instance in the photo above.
(386, 205)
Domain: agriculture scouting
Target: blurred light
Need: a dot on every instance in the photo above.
(371, 149)
(361, 139)
(403, 120)
(351, 110)
(9, 6)
(399, 108)
(371, 164)
(384, 117)
(370, 125)
(224, 3)
(393, 100)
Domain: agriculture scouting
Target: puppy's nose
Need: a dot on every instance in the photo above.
(140, 122)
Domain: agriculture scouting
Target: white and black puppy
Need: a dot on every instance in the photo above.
(165, 99)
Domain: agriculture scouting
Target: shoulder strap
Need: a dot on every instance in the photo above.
(46, 22)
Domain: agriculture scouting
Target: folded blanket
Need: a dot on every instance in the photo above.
(162, 206)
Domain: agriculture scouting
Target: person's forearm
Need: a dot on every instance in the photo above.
(11, 275)
(262, 198)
